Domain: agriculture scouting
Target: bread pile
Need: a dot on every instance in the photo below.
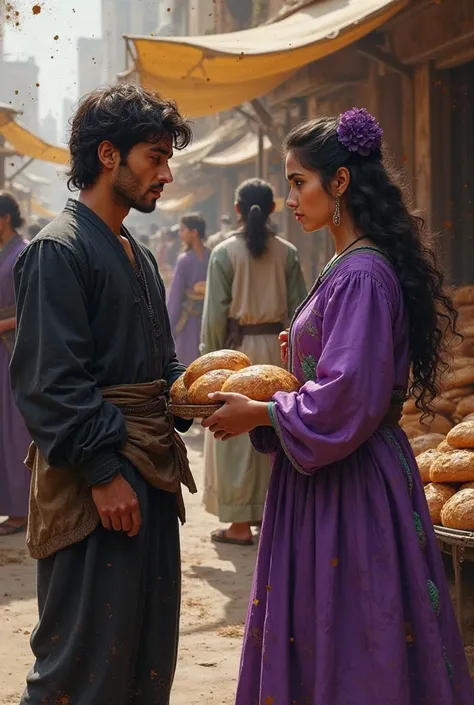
(229, 371)
(444, 447)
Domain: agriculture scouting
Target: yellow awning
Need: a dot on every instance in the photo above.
(26, 144)
(243, 151)
(213, 73)
(204, 146)
(185, 203)
(39, 209)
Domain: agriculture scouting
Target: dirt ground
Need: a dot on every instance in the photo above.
(216, 583)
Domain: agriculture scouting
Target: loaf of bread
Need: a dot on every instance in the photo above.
(425, 461)
(458, 512)
(439, 405)
(454, 467)
(436, 497)
(439, 424)
(457, 393)
(444, 447)
(464, 296)
(428, 441)
(178, 392)
(261, 382)
(458, 378)
(198, 392)
(459, 362)
(219, 360)
(462, 435)
(465, 406)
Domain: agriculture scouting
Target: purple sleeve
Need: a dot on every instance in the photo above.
(265, 440)
(176, 295)
(329, 419)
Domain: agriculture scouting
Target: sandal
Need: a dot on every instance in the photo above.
(7, 529)
(220, 536)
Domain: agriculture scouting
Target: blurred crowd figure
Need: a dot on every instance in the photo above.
(254, 285)
(222, 234)
(14, 438)
(186, 296)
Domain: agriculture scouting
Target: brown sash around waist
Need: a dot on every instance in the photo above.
(395, 410)
(262, 329)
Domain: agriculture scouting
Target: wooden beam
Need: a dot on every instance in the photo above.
(266, 121)
(408, 131)
(432, 30)
(343, 67)
(384, 59)
(423, 139)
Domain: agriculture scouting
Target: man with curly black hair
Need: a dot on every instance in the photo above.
(93, 361)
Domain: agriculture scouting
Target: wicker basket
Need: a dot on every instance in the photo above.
(193, 411)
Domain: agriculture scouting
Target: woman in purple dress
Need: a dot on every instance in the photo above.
(186, 298)
(350, 604)
(14, 440)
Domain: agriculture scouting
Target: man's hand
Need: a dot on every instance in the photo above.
(118, 506)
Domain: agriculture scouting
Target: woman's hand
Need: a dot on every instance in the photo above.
(7, 324)
(284, 340)
(239, 415)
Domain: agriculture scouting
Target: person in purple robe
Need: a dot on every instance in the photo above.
(188, 288)
(350, 603)
(14, 439)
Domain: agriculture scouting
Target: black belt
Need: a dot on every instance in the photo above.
(262, 329)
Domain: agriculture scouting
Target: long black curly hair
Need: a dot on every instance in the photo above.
(375, 201)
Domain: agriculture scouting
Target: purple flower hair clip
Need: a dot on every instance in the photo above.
(359, 132)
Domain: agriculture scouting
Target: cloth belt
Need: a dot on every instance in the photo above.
(395, 410)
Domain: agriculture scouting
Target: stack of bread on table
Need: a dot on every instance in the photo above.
(444, 445)
(228, 371)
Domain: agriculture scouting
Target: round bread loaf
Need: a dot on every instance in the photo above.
(436, 497)
(442, 406)
(462, 435)
(467, 486)
(458, 512)
(178, 392)
(459, 362)
(261, 382)
(444, 447)
(413, 431)
(469, 417)
(219, 360)
(428, 441)
(456, 466)
(457, 394)
(458, 378)
(439, 424)
(468, 331)
(464, 296)
(465, 406)
(425, 461)
(466, 348)
(206, 384)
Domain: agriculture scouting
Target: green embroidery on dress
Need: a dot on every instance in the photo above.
(308, 366)
(434, 597)
(449, 665)
(401, 455)
(419, 529)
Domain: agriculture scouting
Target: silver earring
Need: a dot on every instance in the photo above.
(336, 218)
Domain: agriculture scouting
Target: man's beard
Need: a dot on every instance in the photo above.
(128, 188)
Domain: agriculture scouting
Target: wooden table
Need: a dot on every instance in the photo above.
(460, 545)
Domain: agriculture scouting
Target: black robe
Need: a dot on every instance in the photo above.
(109, 606)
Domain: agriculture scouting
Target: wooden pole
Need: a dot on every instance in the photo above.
(422, 149)
(2, 162)
(261, 154)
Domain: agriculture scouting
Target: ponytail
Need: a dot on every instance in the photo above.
(255, 200)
